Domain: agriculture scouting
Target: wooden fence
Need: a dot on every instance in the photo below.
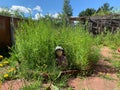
(103, 24)
(95, 25)
(100, 24)
(7, 25)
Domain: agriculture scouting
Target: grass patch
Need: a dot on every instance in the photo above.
(36, 41)
(35, 50)
(106, 76)
(34, 86)
(109, 39)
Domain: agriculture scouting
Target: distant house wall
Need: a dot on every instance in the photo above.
(6, 33)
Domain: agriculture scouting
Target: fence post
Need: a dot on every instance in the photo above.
(12, 30)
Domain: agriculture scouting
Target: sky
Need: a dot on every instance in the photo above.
(53, 7)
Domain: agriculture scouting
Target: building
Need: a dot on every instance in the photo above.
(7, 26)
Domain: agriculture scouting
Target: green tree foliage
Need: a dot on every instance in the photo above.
(67, 12)
(106, 8)
(67, 9)
(103, 10)
(87, 12)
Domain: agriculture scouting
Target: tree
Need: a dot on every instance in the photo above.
(67, 9)
(87, 12)
(106, 8)
(67, 12)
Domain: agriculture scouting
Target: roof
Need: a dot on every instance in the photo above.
(9, 16)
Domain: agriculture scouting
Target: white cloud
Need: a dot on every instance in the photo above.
(37, 16)
(38, 8)
(1, 9)
(27, 10)
(56, 15)
(21, 9)
(76, 22)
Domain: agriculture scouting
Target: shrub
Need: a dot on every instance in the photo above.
(109, 39)
(36, 42)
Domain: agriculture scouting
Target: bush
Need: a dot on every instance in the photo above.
(36, 42)
(109, 39)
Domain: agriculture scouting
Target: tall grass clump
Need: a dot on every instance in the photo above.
(109, 39)
(36, 42)
(79, 47)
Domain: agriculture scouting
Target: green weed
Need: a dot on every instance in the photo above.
(36, 42)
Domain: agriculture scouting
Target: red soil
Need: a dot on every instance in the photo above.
(96, 82)
(92, 83)
(13, 85)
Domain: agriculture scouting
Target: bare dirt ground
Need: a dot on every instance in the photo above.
(104, 77)
(13, 84)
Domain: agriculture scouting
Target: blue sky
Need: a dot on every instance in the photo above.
(55, 6)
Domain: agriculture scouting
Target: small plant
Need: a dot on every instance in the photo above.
(1, 57)
(5, 63)
(105, 76)
(6, 76)
(1, 65)
(8, 72)
(33, 86)
(11, 70)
